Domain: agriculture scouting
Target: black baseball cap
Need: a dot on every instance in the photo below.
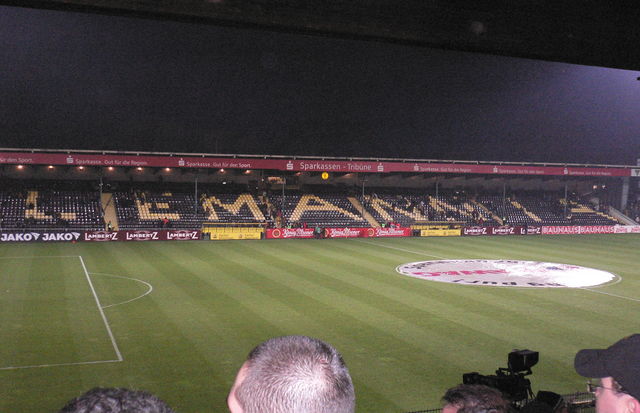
(620, 361)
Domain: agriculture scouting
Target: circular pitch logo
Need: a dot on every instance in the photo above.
(507, 273)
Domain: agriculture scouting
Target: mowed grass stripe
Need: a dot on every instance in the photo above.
(14, 291)
(303, 313)
(331, 325)
(334, 323)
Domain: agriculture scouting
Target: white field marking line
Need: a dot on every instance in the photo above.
(612, 295)
(104, 317)
(402, 249)
(39, 256)
(126, 278)
(60, 364)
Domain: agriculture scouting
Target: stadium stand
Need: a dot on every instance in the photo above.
(233, 208)
(408, 210)
(42, 205)
(38, 208)
(146, 209)
(332, 210)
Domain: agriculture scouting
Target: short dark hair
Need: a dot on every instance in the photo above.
(116, 400)
(296, 374)
(476, 398)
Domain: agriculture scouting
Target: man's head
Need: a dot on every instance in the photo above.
(618, 368)
(293, 374)
(474, 398)
(103, 400)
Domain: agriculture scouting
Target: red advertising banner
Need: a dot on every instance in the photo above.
(554, 230)
(389, 232)
(596, 229)
(141, 235)
(38, 158)
(338, 232)
(289, 233)
(106, 160)
(345, 232)
(578, 229)
(504, 169)
(366, 232)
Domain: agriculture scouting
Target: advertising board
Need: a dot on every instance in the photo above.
(289, 233)
(234, 235)
(503, 230)
(40, 236)
(338, 232)
(142, 235)
(386, 232)
(626, 229)
(440, 232)
(346, 232)
(476, 231)
(578, 229)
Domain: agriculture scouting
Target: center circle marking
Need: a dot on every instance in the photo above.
(507, 273)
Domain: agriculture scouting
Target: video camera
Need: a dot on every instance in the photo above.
(511, 380)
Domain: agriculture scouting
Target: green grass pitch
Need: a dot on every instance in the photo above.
(178, 319)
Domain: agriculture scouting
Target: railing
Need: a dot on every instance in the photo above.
(206, 225)
(579, 402)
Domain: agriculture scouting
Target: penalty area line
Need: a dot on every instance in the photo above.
(25, 257)
(79, 363)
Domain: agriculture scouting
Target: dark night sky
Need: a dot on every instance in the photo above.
(86, 81)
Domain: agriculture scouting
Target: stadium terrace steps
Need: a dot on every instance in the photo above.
(365, 214)
(526, 212)
(108, 206)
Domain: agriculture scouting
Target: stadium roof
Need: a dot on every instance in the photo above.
(305, 163)
(84, 80)
(588, 33)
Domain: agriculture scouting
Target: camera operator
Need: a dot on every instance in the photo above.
(618, 368)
